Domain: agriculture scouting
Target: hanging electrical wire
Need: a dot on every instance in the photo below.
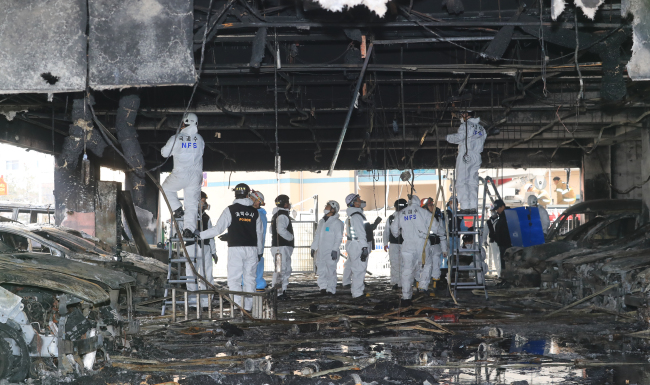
(541, 43)
(275, 100)
(577, 64)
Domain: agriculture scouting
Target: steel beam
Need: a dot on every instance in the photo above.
(353, 102)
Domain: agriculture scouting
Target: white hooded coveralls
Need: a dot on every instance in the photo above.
(327, 239)
(242, 261)
(431, 267)
(203, 265)
(354, 246)
(286, 251)
(543, 217)
(393, 254)
(469, 138)
(187, 174)
(411, 222)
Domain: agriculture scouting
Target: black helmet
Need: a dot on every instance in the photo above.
(242, 190)
(469, 237)
(204, 195)
(281, 200)
(400, 204)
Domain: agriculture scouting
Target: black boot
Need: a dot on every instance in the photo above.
(323, 291)
(179, 212)
(188, 234)
(395, 287)
(405, 302)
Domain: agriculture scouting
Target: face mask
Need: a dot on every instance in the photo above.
(326, 211)
(294, 213)
(206, 207)
(363, 205)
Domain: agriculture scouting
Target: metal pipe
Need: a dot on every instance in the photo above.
(186, 306)
(173, 304)
(446, 39)
(355, 95)
(408, 24)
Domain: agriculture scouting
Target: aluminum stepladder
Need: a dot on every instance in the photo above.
(478, 221)
(175, 265)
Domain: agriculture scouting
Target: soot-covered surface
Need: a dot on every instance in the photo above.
(338, 340)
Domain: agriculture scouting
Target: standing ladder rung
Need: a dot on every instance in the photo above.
(174, 277)
(467, 268)
(471, 286)
(194, 239)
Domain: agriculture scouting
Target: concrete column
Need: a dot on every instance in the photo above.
(596, 174)
(626, 171)
(74, 200)
(645, 170)
(108, 224)
(147, 210)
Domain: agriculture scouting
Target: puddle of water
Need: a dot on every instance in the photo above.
(535, 376)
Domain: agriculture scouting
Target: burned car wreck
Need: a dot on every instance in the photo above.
(65, 298)
(582, 228)
(56, 314)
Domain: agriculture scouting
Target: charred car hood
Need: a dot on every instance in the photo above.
(108, 278)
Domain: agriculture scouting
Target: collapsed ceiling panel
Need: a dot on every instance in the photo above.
(637, 67)
(42, 46)
(589, 7)
(140, 43)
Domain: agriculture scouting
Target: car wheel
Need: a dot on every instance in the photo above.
(17, 367)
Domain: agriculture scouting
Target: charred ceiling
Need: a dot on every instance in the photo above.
(548, 90)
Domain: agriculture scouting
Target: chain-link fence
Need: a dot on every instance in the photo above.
(301, 261)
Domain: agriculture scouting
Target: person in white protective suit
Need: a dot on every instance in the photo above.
(411, 221)
(436, 245)
(469, 138)
(202, 259)
(325, 247)
(282, 242)
(543, 214)
(359, 243)
(187, 175)
(394, 248)
(245, 246)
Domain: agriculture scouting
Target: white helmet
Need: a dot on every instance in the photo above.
(190, 119)
(257, 196)
(349, 200)
(532, 200)
(334, 204)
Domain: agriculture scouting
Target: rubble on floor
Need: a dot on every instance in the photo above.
(519, 336)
